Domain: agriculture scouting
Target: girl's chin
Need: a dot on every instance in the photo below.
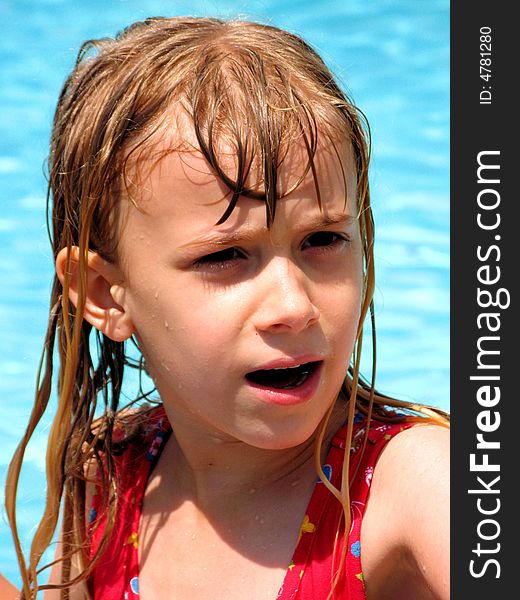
(279, 437)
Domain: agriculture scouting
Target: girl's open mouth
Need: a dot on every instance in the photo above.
(284, 378)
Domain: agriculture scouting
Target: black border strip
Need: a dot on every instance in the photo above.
(485, 511)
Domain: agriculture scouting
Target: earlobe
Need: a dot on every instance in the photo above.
(105, 293)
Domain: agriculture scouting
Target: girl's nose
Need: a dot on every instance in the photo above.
(285, 304)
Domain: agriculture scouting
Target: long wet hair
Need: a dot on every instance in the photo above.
(258, 89)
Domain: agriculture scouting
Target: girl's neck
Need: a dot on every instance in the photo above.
(212, 472)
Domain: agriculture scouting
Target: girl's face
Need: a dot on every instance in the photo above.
(246, 331)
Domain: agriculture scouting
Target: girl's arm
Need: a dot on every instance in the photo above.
(75, 593)
(405, 536)
(428, 506)
(7, 590)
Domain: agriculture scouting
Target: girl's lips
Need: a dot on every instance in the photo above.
(291, 396)
(285, 362)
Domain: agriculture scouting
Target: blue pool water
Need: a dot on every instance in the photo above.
(393, 56)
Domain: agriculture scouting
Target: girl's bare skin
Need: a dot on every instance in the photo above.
(7, 589)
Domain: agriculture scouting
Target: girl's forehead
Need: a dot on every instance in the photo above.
(179, 200)
(173, 165)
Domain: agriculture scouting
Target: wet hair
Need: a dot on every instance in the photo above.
(254, 88)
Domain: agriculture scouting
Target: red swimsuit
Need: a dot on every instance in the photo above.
(308, 576)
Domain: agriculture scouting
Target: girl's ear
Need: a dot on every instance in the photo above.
(104, 304)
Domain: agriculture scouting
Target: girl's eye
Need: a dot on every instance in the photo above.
(325, 241)
(219, 261)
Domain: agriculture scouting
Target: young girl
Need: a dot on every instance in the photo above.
(210, 203)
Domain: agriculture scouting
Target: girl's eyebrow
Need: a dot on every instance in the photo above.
(218, 239)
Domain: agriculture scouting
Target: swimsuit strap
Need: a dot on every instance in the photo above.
(314, 562)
